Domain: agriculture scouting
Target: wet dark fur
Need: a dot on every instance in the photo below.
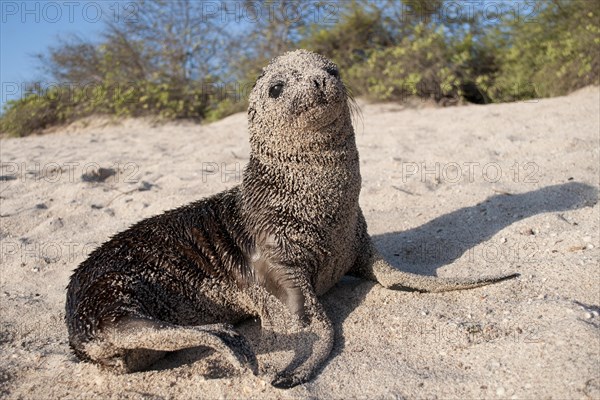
(161, 267)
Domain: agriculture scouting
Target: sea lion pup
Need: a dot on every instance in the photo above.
(265, 248)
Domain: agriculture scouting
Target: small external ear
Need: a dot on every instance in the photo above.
(257, 79)
(251, 113)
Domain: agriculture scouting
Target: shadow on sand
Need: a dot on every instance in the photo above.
(441, 241)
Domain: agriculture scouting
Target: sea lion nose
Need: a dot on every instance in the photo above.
(319, 85)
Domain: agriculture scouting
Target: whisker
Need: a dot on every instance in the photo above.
(355, 111)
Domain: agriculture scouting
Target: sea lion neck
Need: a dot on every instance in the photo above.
(295, 146)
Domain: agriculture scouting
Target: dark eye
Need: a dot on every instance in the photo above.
(275, 90)
(333, 72)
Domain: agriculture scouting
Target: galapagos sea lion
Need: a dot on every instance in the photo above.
(267, 247)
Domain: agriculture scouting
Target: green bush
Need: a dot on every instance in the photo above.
(29, 114)
(225, 108)
(389, 58)
(550, 52)
(58, 105)
(359, 32)
(554, 54)
(422, 65)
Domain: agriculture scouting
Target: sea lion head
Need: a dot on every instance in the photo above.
(299, 99)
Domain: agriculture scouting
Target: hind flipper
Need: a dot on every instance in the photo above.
(134, 344)
(379, 270)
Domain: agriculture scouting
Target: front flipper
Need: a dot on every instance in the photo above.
(292, 319)
(134, 344)
(313, 345)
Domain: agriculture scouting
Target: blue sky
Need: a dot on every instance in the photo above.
(30, 27)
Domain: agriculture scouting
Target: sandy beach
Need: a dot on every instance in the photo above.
(461, 191)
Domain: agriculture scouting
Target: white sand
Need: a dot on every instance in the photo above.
(524, 198)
